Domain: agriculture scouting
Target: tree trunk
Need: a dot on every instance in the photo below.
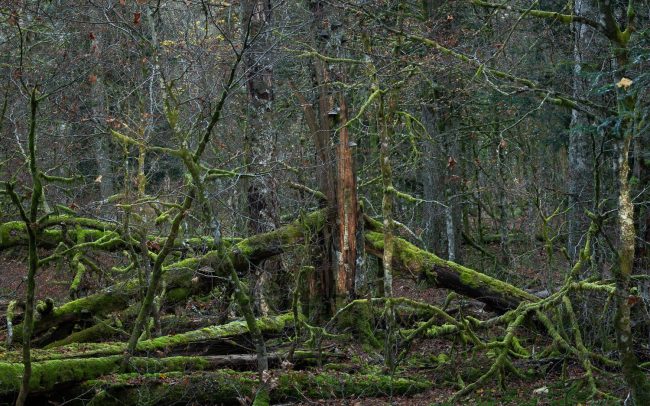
(348, 213)
(440, 179)
(335, 276)
(498, 295)
(580, 181)
(100, 143)
(263, 204)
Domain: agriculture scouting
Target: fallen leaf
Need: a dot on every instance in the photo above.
(624, 83)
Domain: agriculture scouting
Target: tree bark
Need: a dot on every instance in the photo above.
(580, 180)
(335, 271)
(263, 204)
(440, 180)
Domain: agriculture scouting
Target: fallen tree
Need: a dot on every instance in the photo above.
(200, 340)
(231, 388)
(79, 362)
(199, 274)
(498, 295)
(180, 279)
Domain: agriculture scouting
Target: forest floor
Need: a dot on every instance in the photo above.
(440, 361)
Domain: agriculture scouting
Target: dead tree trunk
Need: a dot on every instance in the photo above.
(336, 267)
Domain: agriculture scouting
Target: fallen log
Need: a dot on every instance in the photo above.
(498, 295)
(182, 283)
(231, 388)
(226, 338)
(180, 279)
(52, 374)
(14, 233)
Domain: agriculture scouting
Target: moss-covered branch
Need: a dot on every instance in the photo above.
(552, 15)
(179, 278)
(176, 344)
(499, 295)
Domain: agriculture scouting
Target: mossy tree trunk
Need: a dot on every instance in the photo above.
(229, 387)
(498, 295)
(30, 219)
(385, 123)
(626, 97)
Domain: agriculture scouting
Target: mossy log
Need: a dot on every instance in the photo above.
(51, 232)
(498, 295)
(46, 375)
(63, 228)
(227, 338)
(61, 373)
(180, 279)
(227, 387)
(103, 330)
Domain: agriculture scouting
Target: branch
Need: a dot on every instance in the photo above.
(553, 15)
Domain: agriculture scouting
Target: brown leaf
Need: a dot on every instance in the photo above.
(92, 79)
(632, 300)
(137, 16)
(624, 83)
(122, 2)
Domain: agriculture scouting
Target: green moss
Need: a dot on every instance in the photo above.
(360, 319)
(11, 233)
(177, 294)
(101, 330)
(79, 269)
(48, 374)
(281, 237)
(262, 398)
(14, 233)
(266, 324)
(228, 386)
(412, 258)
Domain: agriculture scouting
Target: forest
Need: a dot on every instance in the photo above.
(333, 202)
